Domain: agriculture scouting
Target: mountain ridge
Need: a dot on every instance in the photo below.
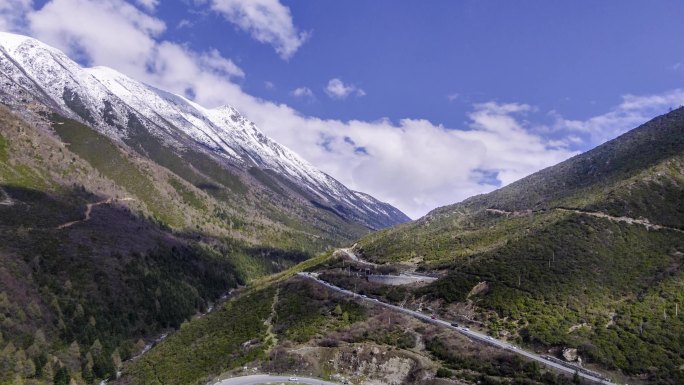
(592, 166)
(108, 100)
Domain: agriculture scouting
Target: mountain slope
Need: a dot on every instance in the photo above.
(587, 254)
(637, 175)
(88, 265)
(125, 211)
(578, 182)
(120, 108)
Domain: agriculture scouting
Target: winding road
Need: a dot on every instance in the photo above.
(387, 279)
(268, 379)
(632, 221)
(401, 279)
(463, 330)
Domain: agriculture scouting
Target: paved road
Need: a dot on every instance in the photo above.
(399, 280)
(266, 379)
(463, 330)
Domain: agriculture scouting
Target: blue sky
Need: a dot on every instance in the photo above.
(409, 56)
(418, 103)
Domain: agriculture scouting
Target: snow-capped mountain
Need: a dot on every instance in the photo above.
(117, 105)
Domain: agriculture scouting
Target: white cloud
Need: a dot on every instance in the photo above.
(631, 112)
(214, 60)
(178, 69)
(303, 92)
(267, 21)
(116, 34)
(413, 164)
(149, 5)
(106, 31)
(13, 14)
(336, 89)
(452, 97)
(185, 23)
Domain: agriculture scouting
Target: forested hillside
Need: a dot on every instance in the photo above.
(103, 250)
(123, 217)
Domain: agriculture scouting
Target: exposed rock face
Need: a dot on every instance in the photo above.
(363, 364)
(570, 354)
(480, 288)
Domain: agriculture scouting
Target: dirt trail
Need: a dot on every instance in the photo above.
(89, 210)
(269, 324)
(632, 221)
(629, 220)
(502, 212)
(349, 253)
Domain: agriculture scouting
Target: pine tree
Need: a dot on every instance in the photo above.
(47, 371)
(34, 311)
(62, 377)
(96, 349)
(116, 359)
(73, 356)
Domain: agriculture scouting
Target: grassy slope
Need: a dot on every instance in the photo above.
(214, 194)
(255, 192)
(103, 155)
(307, 318)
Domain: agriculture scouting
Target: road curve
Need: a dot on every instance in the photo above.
(268, 379)
(463, 330)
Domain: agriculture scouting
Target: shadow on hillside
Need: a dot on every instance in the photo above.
(114, 278)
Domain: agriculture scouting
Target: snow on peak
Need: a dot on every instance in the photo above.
(227, 109)
(108, 100)
(12, 41)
